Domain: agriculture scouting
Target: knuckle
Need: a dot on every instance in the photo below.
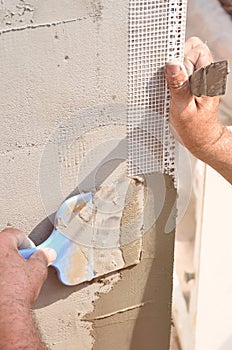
(195, 40)
(11, 231)
(12, 237)
(191, 43)
(178, 85)
(188, 59)
(204, 51)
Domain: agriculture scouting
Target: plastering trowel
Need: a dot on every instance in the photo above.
(91, 234)
(65, 248)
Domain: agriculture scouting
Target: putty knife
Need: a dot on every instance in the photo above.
(210, 80)
(67, 250)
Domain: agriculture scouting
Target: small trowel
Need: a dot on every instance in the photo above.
(210, 80)
(91, 235)
(68, 251)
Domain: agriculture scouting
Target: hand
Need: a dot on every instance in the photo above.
(20, 284)
(20, 279)
(194, 120)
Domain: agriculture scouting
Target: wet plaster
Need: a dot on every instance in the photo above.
(136, 302)
(72, 325)
(61, 322)
(106, 234)
(136, 313)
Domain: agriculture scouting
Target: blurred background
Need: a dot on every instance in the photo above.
(202, 296)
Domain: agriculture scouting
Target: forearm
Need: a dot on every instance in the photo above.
(219, 154)
(17, 328)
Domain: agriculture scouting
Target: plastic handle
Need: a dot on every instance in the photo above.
(26, 253)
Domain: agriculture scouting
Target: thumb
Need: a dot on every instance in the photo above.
(178, 82)
(37, 265)
(44, 255)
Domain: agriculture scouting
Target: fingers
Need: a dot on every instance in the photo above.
(178, 82)
(28, 275)
(13, 238)
(197, 55)
(191, 43)
(26, 243)
(38, 264)
(43, 256)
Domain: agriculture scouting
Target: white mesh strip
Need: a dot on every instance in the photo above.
(156, 36)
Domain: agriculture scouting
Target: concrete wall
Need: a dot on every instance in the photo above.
(63, 112)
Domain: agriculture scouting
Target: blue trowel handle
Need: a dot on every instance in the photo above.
(26, 253)
(49, 243)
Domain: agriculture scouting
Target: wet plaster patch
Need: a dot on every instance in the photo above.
(134, 303)
(136, 313)
(137, 304)
(61, 323)
(58, 31)
(103, 239)
(121, 200)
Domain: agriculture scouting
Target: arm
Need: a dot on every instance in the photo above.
(195, 119)
(20, 284)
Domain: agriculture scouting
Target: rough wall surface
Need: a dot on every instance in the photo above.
(63, 113)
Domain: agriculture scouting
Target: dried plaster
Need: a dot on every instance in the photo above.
(18, 15)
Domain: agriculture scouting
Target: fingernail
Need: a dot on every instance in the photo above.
(51, 254)
(173, 69)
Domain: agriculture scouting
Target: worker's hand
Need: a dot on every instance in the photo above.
(20, 279)
(193, 119)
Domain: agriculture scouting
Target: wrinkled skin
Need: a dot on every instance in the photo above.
(20, 283)
(194, 120)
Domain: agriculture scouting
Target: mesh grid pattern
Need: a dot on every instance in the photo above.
(156, 36)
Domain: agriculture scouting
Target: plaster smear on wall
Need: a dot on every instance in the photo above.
(117, 198)
(113, 231)
(136, 313)
(98, 160)
(132, 303)
(108, 232)
(61, 323)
